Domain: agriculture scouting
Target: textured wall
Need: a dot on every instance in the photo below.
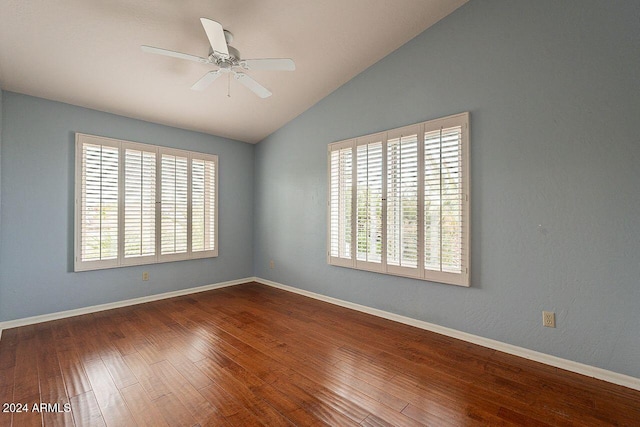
(553, 92)
(0, 173)
(36, 246)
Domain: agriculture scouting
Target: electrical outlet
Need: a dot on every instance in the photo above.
(549, 319)
(145, 275)
(272, 264)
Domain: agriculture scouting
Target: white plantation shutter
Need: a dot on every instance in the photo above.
(98, 204)
(404, 200)
(203, 205)
(340, 204)
(174, 204)
(451, 200)
(446, 213)
(141, 204)
(369, 201)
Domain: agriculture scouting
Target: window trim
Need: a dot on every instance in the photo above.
(121, 260)
(420, 272)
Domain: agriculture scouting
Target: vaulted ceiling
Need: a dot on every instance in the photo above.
(87, 53)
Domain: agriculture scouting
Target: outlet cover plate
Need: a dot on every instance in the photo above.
(549, 319)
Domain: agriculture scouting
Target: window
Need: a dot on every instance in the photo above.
(399, 201)
(141, 204)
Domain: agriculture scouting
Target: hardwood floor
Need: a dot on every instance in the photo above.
(254, 355)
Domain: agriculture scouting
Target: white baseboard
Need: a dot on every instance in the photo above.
(95, 308)
(569, 365)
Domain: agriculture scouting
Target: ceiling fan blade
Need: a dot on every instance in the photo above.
(215, 33)
(206, 80)
(165, 52)
(274, 64)
(253, 85)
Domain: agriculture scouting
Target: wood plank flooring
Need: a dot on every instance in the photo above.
(253, 355)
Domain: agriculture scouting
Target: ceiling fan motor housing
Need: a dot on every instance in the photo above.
(228, 36)
(226, 63)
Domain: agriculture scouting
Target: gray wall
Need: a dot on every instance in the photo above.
(0, 170)
(553, 92)
(36, 244)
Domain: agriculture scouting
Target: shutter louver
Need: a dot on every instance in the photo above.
(369, 202)
(341, 181)
(174, 204)
(203, 197)
(99, 203)
(402, 201)
(139, 203)
(443, 200)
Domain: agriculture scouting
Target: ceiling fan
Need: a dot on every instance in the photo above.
(228, 60)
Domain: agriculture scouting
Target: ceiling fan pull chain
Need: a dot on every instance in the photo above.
(228, 85)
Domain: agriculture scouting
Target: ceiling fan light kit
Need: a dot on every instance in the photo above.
(227, 59)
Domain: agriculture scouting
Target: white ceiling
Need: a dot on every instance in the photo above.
(87, 53)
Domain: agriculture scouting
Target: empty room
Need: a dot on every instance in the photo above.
(336, 212)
